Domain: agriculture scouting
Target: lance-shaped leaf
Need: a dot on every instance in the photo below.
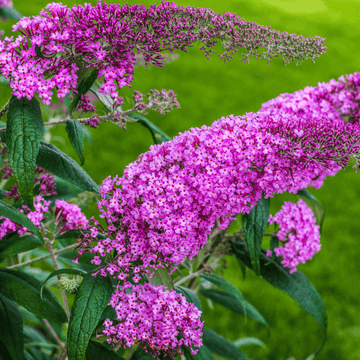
(10, 13)
(91, 299)
(62, 165)
(14, 245)
(274, 243)
(247, 341)
(77, 134)
(11, 328)
(314, 204)
(62, 271)
(97, 351)
(254, 225)
(220, 346)
(296, 285)
(25, 290)
(158, 135)
(24, 130)
(107, 100)
(83, 88)
(231, 302)
(15, 215)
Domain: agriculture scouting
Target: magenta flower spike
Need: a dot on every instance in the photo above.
(108, 38)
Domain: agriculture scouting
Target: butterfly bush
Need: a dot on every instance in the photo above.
(60, 41)
(154, 317)
(67, 217)
(6, 3)
(164, 206)
(298, 234)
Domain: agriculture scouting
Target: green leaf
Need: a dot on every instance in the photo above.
(254, 225)
(77, 134)
(97, 351)
(62, 165)
(230, 288)
(59, 272)
(221, 346)
(314, 204)
(65, 190)
(38, 50)
(247, 341)
(24, 130)
(191, 297)
(231, 302)
(16, 245)
(3, 80)
(274, 243)
(15, 215)
(203, 354)
(107, 100)
(83, 88)
(11, 328)
(25, 290)
(158, 135)
(296, 285)
(161, 277)
(10, 13)
(91, 299)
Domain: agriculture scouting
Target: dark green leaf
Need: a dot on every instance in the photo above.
(158, 135)
(65, 190)
(10, 13)
(247, 341)
(25, 290)
(16, 245)
(221, 346)
(11, 328)
(203, 354)
(62, 271)
(107, 100)
(231, 302)
(191, 297)
(97, 351)
(295, 285)
(2, 78)
(77, 134)
(38, 50)
(91, 299)
(314, 205)
(62, 165)
(83, 88)
(274, 243)
(24, 130)
(15, 215)
(230, 288)
(254, 225)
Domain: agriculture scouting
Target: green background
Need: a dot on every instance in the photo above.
(208, 90)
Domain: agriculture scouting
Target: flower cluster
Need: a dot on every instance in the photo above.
(44, 181)
(151, 315)
(41, 208)
(297, 232)
(57, 43)
(337, 100)
(69, 217)
(84, 105)
(165, 205)
(7, 3)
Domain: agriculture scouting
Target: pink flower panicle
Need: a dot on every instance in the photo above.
(89, 36)
(69, 217)
(151, 315)
(44, 180)
(7, 3)
(41, 208)
(298, 234)
(337, 100)
(165, 205)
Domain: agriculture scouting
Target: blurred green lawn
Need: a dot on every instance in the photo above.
(208, 90)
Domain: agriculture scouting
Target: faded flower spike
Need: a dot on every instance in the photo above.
(71, 283)
(55, 47)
